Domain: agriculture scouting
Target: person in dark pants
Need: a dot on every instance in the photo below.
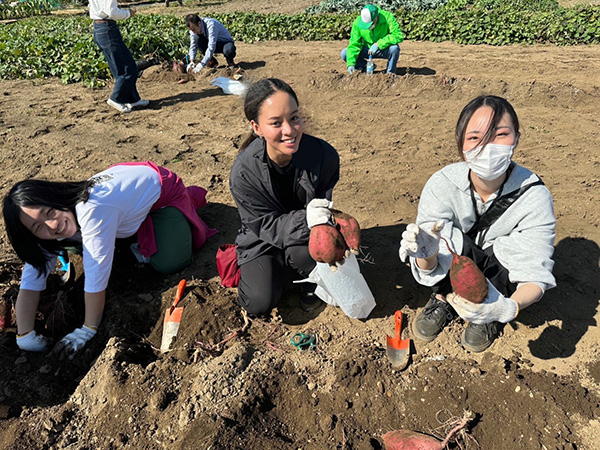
(107, 36)
(492, 210)
(282, 182)
(210, 36)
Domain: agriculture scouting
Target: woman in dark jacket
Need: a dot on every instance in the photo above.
(282, 183)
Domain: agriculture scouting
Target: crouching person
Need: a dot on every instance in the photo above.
(282, 182)
(495, 212)
(43, 218)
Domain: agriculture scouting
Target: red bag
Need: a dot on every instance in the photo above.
(227, 265)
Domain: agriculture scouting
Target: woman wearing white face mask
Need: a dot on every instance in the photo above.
(495, 212)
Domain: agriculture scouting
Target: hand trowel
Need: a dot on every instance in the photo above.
(398, 350)
(172, 319)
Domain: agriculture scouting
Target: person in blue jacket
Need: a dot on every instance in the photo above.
(210, 37)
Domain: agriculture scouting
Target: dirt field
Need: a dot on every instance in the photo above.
(537, 387)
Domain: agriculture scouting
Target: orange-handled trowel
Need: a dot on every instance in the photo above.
(172, 319)
(398, 350)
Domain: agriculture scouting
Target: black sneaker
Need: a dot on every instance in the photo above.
(430, 321)
(476, 338)
(308, 299)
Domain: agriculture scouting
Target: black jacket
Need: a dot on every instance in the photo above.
(265, 223)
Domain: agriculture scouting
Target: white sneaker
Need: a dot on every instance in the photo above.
(139, 104)
(121, 107)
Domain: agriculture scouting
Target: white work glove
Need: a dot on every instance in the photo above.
(190, 67)
(420, 243)
(74, 341)
(317, 212)
(495, 308)
(198, 68)
(33, 342)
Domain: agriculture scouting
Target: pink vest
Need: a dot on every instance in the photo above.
(185, 199)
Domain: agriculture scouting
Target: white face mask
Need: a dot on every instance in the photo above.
(491, 161)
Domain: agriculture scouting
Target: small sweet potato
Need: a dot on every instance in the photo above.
(5, 314)
(178, 67)
(326, 244)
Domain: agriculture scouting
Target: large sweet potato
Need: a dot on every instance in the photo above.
(410, 440)
(326, 244)
(349, 228)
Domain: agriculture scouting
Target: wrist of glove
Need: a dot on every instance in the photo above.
(495, 307)
(75, 341)
(419, 243)
(198, 68)
(350, 70)
(33, 342)
(317, 212)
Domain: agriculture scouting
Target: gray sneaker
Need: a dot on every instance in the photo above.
(476, 338)
(432, 319)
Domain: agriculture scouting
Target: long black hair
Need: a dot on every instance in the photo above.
(500, 107)
(28, 193)
(256, 95)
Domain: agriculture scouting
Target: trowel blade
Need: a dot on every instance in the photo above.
(398, 353)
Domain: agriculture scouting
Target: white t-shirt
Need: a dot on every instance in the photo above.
(118, 204)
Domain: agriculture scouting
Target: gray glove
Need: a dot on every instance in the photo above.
(350, 70)
(317, 212)
(33, 342)
(419, 243)
(495, 308)
(74, 341)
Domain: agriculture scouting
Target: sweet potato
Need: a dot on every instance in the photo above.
(178, 67)
(326, 244)
(5, 314)
(466, 278)
(350, 229)
(410, 440)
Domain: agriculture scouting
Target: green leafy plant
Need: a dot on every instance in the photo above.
(64, 48)
(26, 8)
(346, 6)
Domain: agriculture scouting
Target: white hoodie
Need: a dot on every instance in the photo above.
(523, 237)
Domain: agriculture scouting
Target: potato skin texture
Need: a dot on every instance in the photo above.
(349, 228)
(326, 244)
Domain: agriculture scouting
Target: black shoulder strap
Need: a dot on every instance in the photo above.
(488, 218)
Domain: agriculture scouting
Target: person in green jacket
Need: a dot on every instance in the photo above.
(374, 33)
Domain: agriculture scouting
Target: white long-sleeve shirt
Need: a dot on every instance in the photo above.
(118, 204)
(107, 9)
(523, 237)
(215, 32)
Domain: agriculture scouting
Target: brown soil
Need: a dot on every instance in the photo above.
(536, 387)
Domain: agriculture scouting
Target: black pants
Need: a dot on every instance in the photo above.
(487, 263)
(226, 47)
(261, 280)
